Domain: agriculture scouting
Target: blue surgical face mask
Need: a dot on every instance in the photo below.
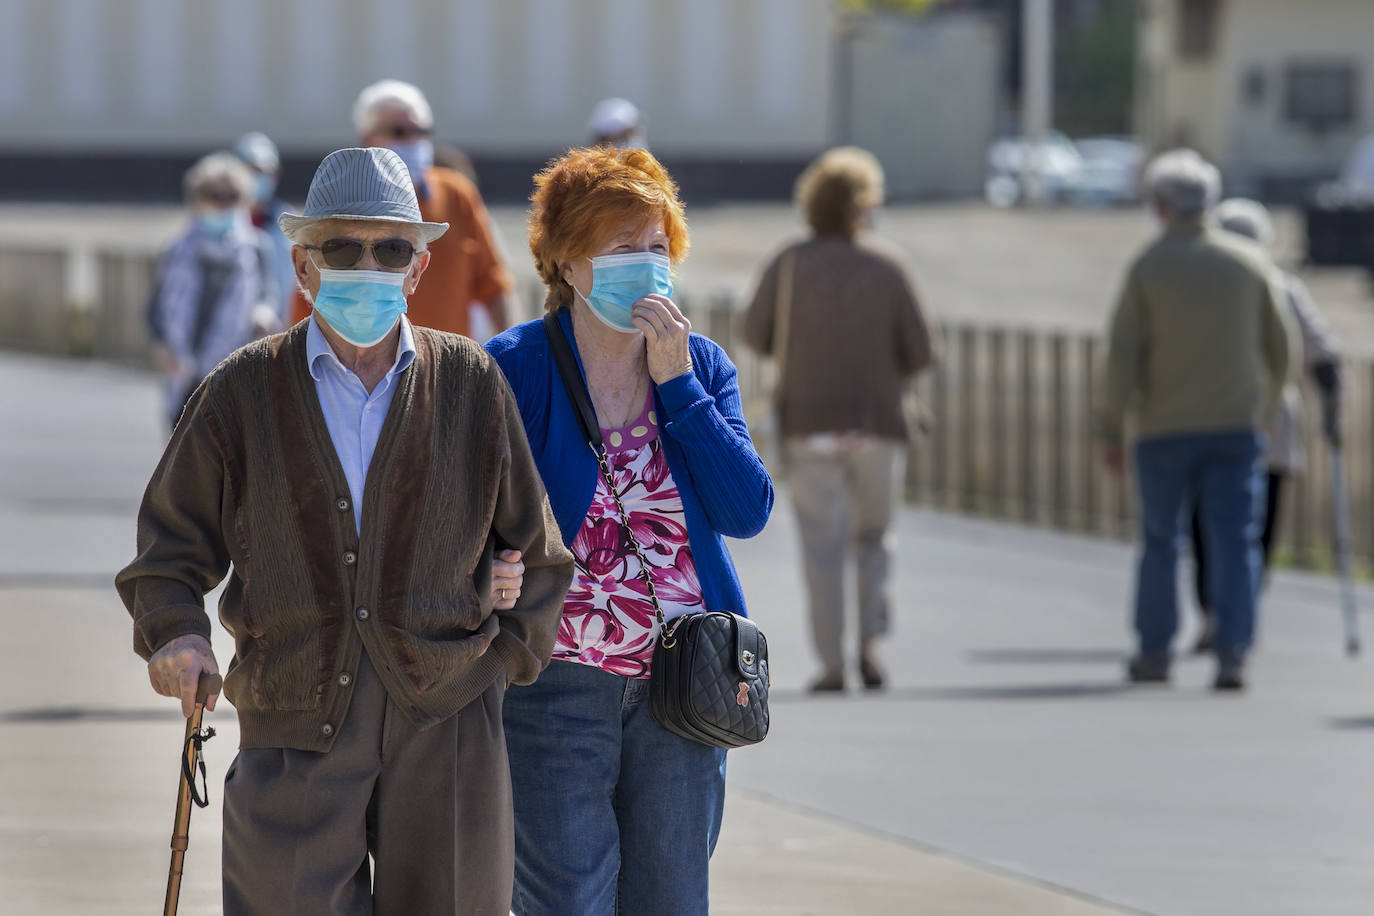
(418, 155)
(361, 305)
(217, 223)
(265, 186)
(621, 280)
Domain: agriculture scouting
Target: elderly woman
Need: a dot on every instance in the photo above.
(1200, 345)
(613, 812)
(1320, 358)
(215, 289)
(838, 313)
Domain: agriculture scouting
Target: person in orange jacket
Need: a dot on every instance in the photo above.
(466, 270)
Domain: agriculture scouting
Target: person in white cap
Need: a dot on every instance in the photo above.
(616, 122)
(354, 477)
(468, 275)
(258, 152)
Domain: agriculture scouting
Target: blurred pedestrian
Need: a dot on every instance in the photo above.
(1284, 457)
(839, 315)
(215, 289)
(466, 271)
(353, 477)
(616, 122)
(259, 153)
(613, 812)
(1200, 348)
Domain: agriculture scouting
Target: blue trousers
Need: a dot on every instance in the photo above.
(613, 813)
(1225, 470)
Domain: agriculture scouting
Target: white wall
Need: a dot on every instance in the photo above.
(504, 76)
(1204, 100)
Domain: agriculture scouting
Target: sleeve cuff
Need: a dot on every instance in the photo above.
(682, 392)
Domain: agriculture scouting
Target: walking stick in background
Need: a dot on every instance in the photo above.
(191, 759)
(1340, 515)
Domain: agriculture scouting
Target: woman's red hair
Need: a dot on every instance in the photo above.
(588, 194)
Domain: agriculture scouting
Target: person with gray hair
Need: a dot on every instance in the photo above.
(468, 276)
(214, 289)
(1320, 358)
(355, 478)
(1200, 347)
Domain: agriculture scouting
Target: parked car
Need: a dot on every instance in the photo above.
(1093, 171)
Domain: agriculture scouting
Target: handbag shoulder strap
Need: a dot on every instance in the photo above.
(591, 431)
(572, 381)
(782, 314)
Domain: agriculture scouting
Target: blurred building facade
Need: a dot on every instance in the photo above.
(1278, 92)
(119, 95)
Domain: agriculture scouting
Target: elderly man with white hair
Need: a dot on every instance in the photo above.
(355, 478)
(1201, 344)
(466, 273)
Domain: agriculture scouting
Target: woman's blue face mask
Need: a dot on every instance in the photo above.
(621, 280)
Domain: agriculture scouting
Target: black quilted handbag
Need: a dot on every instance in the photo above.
(709, 678)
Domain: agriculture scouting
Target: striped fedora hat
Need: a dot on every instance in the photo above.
(365, 184)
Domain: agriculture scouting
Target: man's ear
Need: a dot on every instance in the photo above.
(416, 270)
(300, 264)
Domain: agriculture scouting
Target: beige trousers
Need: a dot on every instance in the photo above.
(844, 489)
(430, 809)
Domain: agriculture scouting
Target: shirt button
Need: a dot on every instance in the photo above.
(362, 613)
(342, 504)
(350, 558)
(345, 679)
(326, 729)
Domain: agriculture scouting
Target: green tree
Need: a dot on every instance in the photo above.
(912, 7)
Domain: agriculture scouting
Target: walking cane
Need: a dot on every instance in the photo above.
(191, 759)
(1340, 513)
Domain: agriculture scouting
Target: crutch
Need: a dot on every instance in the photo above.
(1340, 516)
(191, 759)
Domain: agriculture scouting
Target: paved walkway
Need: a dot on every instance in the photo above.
(1007, 771)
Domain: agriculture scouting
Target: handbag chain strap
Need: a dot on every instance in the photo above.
(591, 432)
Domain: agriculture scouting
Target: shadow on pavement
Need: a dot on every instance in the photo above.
(1350, 723)
(1070, 691)
(65, 714)
(1046, 656)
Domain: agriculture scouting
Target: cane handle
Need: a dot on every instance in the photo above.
(209, 684)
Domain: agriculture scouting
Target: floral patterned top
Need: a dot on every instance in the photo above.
(608, 621)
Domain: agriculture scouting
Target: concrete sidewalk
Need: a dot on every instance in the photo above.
(1006, 771)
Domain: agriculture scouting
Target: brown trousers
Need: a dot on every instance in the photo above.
(432, 809)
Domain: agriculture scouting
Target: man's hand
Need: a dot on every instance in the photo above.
(507, 575)
(175, 670)
(1114, 457)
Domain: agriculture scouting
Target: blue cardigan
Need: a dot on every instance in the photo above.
(724, 486)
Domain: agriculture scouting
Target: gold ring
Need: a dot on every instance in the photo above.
(503, 594)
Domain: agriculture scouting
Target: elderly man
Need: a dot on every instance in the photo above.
(1200, 349)
(466, 270)
(354, 476)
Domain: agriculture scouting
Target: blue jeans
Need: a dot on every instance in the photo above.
(613, 813)
(1225, 470)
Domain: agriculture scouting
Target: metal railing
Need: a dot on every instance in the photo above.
(1012, 438)
(1012, 408)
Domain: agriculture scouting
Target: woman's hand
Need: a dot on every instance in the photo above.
(666, 331)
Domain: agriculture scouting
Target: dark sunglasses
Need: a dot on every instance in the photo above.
(404, 131)
(220, 197)
(341, 254)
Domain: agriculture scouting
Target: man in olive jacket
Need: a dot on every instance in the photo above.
(1201, 347)
(355, 488)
